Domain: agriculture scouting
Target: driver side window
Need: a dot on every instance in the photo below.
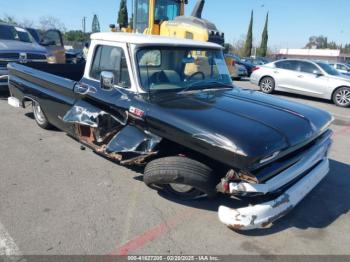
(307, 67)
(111, 59)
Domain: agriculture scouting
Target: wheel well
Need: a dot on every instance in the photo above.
(265, 77)
(27, 99)
(168, 148)
(335, 90)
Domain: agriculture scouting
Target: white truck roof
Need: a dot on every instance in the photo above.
(141, 39)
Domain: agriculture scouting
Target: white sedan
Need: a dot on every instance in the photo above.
(304, 77)
(342, 68)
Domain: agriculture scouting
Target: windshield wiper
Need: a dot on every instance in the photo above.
(206, 85)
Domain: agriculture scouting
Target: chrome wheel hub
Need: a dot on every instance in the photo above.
(266, 85)
(181, 188)
(38, 113)
(343, 97)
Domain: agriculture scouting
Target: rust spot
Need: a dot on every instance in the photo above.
(233, 175)
(278, 216)
(235, 227)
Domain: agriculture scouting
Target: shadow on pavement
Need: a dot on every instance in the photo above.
(324, 205)
(4, 94)
(30, 115)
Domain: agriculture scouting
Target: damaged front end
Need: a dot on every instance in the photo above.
(111, 135)
(292, 184)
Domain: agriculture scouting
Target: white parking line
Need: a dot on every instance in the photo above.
(8, 246)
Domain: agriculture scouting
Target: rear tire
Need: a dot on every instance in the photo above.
(341, 97)
(181, 177)
(40, 117)
(267, 85)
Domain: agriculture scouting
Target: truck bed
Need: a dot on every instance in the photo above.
(54, 78)
(70, 71)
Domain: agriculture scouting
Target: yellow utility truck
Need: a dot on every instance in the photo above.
(167, 18)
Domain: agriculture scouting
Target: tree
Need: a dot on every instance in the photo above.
(95, 25)
(123, 14)
(9, 19)
(238, 46)
(26, 23)
(249, 41)
(321, 42)
(317, 42)
(50, 22)
(264, 38)
(75, 36)
(131, 21)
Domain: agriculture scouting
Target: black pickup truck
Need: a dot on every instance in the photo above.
(169, 105)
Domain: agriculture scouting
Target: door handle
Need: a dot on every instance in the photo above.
(276, 72)
(301, 76)
(84, 89)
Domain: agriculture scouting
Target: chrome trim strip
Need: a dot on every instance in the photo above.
(309, 159)
(262, 215)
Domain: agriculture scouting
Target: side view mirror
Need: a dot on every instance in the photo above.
(107, 80)
(317, 73)
(348, 70)
(84, 89)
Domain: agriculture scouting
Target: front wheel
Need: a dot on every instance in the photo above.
(181, 177)
(40, 117)
(341, 97)
(267, 85)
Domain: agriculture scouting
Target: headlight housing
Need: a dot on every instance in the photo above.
(51, 59)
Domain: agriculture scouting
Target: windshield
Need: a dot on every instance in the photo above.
(8, 32)
(182, 69)
(329, 69)
(166, 10)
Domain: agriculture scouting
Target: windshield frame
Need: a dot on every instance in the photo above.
(23, 31)
(169, 47)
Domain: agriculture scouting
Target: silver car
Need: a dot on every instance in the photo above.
(304, 77)
(342, 68)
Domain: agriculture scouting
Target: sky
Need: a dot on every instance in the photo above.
(291, 22)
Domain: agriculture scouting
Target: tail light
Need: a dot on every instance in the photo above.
(255, 68)
(233, 63)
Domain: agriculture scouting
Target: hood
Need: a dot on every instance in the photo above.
(342, 77)
(247, 123)
(18, 46)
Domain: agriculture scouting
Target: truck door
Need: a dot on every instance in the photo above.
(103, 99)
(53, 42)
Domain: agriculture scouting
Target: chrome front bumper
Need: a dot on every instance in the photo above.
(3, 77)
(315, 162)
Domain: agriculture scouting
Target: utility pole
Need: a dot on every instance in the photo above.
(84, 28)
(84, 24)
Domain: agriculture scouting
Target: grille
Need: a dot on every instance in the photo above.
(9, 55)
(13, 57)
(36, 56)
(3, 64)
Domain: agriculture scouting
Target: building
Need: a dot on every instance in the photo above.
(314, 54)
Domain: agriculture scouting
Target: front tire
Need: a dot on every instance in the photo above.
(341, 97)
(267, 85)
(181, 177)
(40, 117)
